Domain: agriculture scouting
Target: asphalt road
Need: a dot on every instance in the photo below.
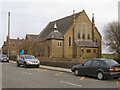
(19, 77)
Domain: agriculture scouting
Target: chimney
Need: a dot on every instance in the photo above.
(18, 38)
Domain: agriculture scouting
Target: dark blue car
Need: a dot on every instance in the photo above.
(100, 68)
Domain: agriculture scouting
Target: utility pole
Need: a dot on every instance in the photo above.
(8, 34)
(73, 33)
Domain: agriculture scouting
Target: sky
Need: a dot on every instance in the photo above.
(31, 16)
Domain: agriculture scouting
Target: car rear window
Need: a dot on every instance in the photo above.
(111, 62)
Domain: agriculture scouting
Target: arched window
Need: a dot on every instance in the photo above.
(83, 30)
(88, 32)
(96, 41)
(69, 41)
(78, 31)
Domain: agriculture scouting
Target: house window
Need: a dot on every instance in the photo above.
(96, 41)
(83, 30)
(69, 41)
(88, 36)
(78, 31)
(88, 51)
(83, 36)
(94, 51)
(88, 28)
(82, 50)
(58, 44)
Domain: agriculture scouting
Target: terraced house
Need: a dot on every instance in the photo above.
(74, 36)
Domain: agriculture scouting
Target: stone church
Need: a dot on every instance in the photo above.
(74, 36)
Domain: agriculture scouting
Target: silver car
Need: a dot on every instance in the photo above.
(3, 57)
(27, 60)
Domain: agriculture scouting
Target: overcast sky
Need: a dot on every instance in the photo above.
(31, 16)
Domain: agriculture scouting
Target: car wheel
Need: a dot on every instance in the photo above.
(18, 64)
(25, 65)
(7, 60)
(37, 66)
(76, 72)
(100, 76)
(116, 78)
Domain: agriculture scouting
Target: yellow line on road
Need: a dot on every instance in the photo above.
(92, 80)
(118, 84)
(59, 73)
(82, 78)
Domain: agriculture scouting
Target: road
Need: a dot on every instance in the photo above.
(19, 77)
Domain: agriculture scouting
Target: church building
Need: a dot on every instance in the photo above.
(74, 36)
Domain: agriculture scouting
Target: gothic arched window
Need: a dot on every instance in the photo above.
(88, 32)
(78, 31)
(83, 29)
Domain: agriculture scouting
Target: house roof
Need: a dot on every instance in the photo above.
(15, 40)
(86, 43)
(62, 26)
(31, 37)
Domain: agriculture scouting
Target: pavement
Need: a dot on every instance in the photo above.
(51, 68)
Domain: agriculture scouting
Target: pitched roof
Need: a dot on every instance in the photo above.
(55, 35)
(86, 43)
(15, 40)
(62, 26)
(31, 37)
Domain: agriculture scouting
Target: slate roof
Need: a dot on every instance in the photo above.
(15, 40)
(62, 26)
(86, 43)
(55, 35)
(31, 37)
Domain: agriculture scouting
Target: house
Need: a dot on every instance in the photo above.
(14, 46)
(74, 36)
(31, 37)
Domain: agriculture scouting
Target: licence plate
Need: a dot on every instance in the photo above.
(117, 69)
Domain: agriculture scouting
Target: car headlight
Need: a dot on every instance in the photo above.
(28, 61)
(38, 61)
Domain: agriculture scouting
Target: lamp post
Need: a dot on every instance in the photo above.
(8, 34)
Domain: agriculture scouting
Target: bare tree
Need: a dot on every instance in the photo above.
(112, 37)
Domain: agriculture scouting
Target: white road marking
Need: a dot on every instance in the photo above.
(71, 83)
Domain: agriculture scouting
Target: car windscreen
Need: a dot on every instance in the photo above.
(111, 62)
(4, 55)
(29, 57)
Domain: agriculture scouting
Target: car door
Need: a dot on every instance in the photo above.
(22, 60)
(19, 59)
(86, 66)
(94, 67)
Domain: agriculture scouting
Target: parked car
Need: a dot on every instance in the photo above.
(27, 60)
(100, 68)
(3, 58)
